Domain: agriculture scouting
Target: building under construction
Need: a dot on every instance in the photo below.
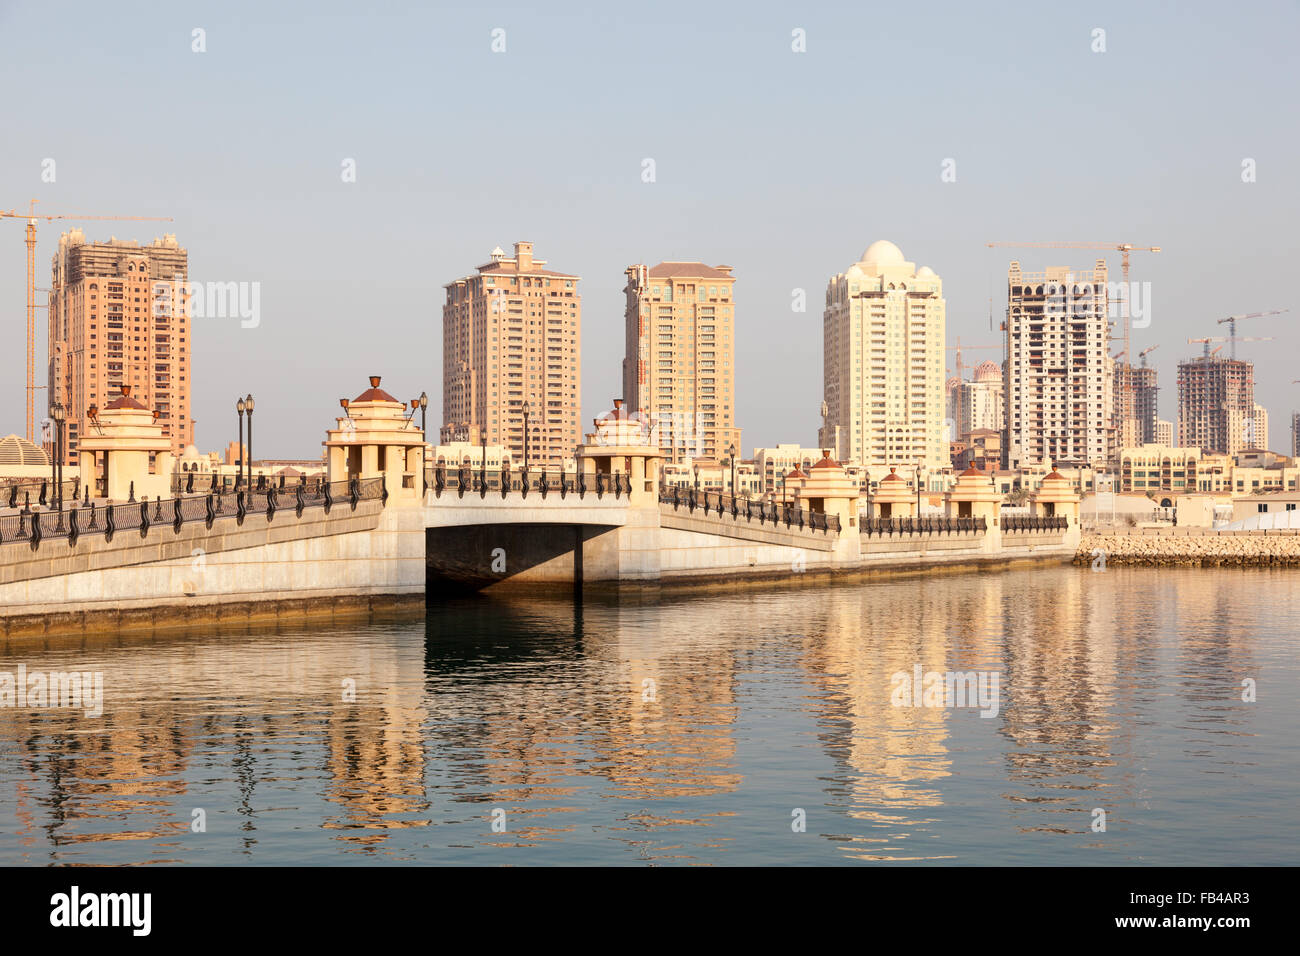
(1144, 406)
(1216, 404)
(1059, 401)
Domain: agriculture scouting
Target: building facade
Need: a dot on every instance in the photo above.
(883, 363)
(1139, 429)
(679, 361)
(511, 357)
(119, 315)
(981, 401)
(1163, 433)
(1258, 436)
(1058, 376)
(1216, 404)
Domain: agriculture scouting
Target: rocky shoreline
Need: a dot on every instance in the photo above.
(1207, 549)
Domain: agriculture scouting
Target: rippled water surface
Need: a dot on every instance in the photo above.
(698, 730)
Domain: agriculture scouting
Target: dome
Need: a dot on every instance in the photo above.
(190, 452)
(19, 451)
(925, 272)
(854, 272)
(882, 252)
(374, 393)
(988, 372)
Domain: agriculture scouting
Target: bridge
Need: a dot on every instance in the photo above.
(387, 526)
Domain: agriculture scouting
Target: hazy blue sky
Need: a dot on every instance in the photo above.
(784, 165)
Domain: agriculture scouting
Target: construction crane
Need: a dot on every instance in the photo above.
(1142, 356)
(961, 374)
(1232, 326)
(31, 216)
(1124, 248)
(1206, 340)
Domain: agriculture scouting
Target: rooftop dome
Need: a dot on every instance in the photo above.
(19, 451)
(125, 401)
(988, 372)
(374, 393)
(190, 452)
(882, 252)
(925, 272)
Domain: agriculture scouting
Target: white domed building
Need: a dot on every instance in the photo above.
(883, 355)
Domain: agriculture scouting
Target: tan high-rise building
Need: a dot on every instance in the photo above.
(679, 368)
(1059, 375)
(883, 358)
(113, 323)
(511, 355)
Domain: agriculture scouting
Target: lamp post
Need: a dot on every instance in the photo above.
(248, 403)
(527, 408)
(697, 479)
(424, 413)
(239, 474)
(918, 489)
(57, 415)
(731, 452)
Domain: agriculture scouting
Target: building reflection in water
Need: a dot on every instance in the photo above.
(677, 730)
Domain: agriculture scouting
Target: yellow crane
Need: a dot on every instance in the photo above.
(1142, 356)
(31, 216)
(1124, 248)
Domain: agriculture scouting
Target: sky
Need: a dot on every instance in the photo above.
(783, 164)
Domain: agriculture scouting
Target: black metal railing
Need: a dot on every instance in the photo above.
(146, 516)
(736, 509)
(462, 480)
(1015, 523)
(13, 494)
(927, 524)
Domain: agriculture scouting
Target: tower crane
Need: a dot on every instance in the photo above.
(1142, 356)
(961, 376)
(1206, 340)
(1232, 326)
(31, 216)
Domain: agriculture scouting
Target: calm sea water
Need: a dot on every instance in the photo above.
(699, 730)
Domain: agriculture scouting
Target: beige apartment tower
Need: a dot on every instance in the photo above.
(679, 366)
(511, 357)
(1059, 376)
(883, 358)
(119, 315)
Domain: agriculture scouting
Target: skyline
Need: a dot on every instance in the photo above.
(266, 118)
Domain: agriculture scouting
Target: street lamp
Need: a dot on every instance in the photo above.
(248, 403)
(57, 414)
(697, 478)
(731, 451)
(239, 475)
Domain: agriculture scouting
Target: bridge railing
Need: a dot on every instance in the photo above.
(1018, 523)
(15, 494)
(927, 524)
(32, 526)
(774, 513)
(464, 481)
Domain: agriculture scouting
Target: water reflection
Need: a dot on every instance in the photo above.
(687, 730)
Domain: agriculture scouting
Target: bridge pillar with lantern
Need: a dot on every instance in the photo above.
(1057, 498)
(122, 435)
(377, 438)
(893, 498)
(623, 445)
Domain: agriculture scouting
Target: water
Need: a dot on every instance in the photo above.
(1120, 691)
